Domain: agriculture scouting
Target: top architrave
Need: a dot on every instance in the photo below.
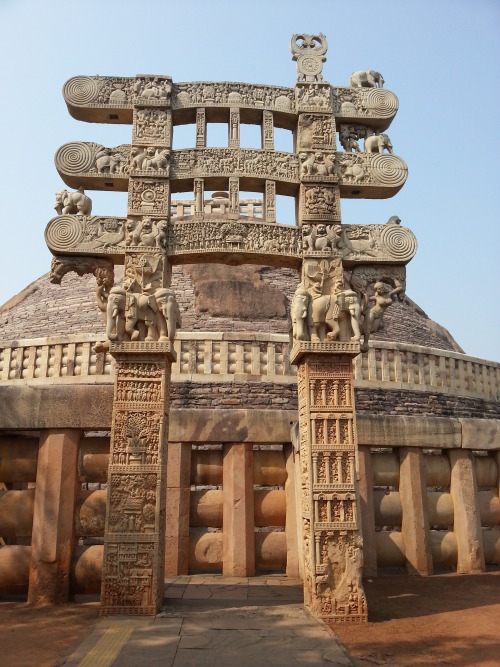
(97, 99)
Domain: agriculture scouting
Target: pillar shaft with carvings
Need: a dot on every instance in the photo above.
(326, 321)
(333, 548)
(142, 317)
(134, 541)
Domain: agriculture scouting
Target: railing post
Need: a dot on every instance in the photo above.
(52, 539)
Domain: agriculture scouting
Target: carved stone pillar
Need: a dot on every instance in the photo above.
(199, 189)
(142, 320)
(267, 130)
(234, 196)
(201, 128)
(134, 540)
(178, 501)
(270, 201)
(234, 128)
(333, 547)
(52, 539)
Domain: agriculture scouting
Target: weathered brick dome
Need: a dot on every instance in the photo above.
(211, 297)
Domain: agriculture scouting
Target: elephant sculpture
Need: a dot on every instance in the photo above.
(377, 143)
(115, 314)
(107, 163)
(168, 317)
(73, 202)
(336, 315)
(353, 174)
(366, 78)
(300, 316)
(141, 316)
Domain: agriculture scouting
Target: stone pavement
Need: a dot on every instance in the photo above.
(209, 620)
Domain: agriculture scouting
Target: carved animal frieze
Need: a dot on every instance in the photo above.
(373, 174)
(87, 158)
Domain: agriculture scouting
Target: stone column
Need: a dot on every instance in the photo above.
(134, 540)
(201, 128)
(234, 196)
(238, 511)
(199, 192)
(270, 201)
(178, 501)
(333, 547)
(142, 345)
(467, 518)
(267, 130)
(234, 128)
(292, 516)
(52, 538)
(415, 525)
(367, 512)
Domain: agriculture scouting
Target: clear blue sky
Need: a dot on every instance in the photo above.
(440, 57)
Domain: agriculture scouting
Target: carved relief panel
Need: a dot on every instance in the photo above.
(152, 126)
(135, 514)
(332, 542)
(320, 202)
(149, 197)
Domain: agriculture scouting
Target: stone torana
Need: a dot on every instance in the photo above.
(350, 274)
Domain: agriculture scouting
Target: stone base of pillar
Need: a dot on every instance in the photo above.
(134, 540)
(332, 543)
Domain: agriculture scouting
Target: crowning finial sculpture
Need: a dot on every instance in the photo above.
(309, 53)
(349, 276)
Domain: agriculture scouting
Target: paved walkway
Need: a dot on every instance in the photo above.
(210, 621)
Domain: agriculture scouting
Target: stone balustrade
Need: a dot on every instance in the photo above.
(206, 357)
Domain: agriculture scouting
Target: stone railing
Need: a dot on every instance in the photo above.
(225, 357)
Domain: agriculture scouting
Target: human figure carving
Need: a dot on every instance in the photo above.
(329, 311)
(373, 314)
(348, 140)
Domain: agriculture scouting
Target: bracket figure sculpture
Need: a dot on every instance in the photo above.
(349, 276)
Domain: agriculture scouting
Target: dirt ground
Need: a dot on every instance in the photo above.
(439, 620)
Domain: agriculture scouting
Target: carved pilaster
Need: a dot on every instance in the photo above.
(234, 196)
(267, 130)
(333, 547)
(201, 128)
(134, 538)
(199, 190)
(270, 201)
(234, 128)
